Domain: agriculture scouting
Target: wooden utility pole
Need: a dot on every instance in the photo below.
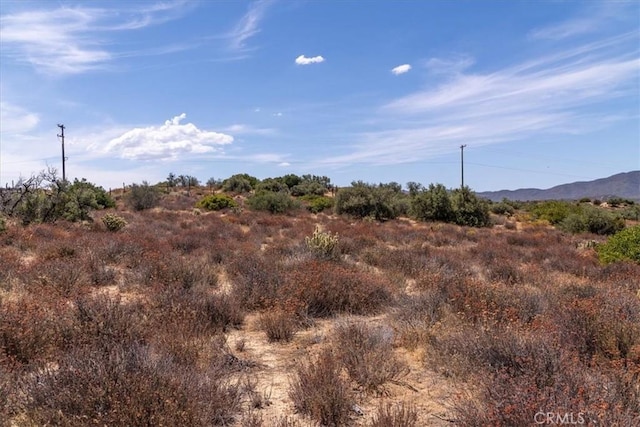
(462, 163)
(61, 136)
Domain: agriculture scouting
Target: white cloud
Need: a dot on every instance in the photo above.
(72, 40)
(303, 60)
(248, 26)
(242, 129)
(562, 93)
(401, 69)
(16, 120)
(167, 141)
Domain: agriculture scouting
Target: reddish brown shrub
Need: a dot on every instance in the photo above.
(327, 288)
(32, 329)
(128, 386)
(318, 391)
(256, 282)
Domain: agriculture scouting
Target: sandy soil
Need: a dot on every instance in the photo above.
(429, 392)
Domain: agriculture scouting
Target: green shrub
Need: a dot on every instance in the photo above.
(113, 222)
(362, 200)
(272, 202)
(317, 203)
(432, 204)
(592, 220)
(240, 183)
(469, 209)
(322, 244)
(143, 196)
(631, 213)
(554, 211)
(3, 224)
(502, 209)
(311, 185)
(215, 202)
(624, 245)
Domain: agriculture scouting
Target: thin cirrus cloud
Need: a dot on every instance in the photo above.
(72, 40)
(167, 142)
(303, 60)
(401, 69)
(561, 93)
(249, 25)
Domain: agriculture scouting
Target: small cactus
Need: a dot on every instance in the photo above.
(323, 244)
(113, 222)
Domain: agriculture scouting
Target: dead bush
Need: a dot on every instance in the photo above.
(32, 330)
(367, 354)
(414, 315)
(256, 282)
(319, 392)
(398, 415)
(128, 386)
(279, 325)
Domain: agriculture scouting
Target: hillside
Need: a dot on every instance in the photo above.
(625, 185)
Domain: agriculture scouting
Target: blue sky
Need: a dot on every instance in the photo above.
(541, 92)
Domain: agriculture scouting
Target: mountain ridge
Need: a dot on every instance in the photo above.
(625, 185)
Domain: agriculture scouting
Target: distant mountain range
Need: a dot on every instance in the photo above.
(625, 185)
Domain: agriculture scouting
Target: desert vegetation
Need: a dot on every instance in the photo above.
(236, 304)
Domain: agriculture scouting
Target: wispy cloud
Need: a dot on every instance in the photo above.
(249, 25)
(401, 69)
(566, 29)
(16, 120)
(452, 65)
(242, 129)
(74, 40)
(166, 142)
(595, 17)
(303, 60)
(553, 94)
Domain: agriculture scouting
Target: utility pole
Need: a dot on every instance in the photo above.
(462, 162)
(61, 136)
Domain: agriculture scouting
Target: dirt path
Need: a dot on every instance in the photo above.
(429, 392)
